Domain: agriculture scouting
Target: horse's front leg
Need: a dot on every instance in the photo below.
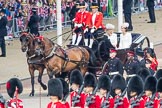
(31, 70)
(41, 69)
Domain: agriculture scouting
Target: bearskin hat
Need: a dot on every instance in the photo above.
(90, 80)
(158, 74)
(65, 87)
(143, 73)
(136, 85)
(55, 88)
(76, 77)
(104, 82)
(150, 84)
(118, 82)
(94, 5)
(11, 86)
(159, 85)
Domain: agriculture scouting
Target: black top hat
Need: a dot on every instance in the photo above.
(82, 4)
(118, 82)
(76, 77)
(135, 85)
(90, 80)
(104, 82)
(55, 88)
(159, 85)
(144, 73)
(11, 86)
(158, 74)
(150, 84)
(94, 5)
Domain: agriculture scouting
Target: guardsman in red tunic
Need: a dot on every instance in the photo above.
(104, 85)
(14, 88)
(118, 89)
(77, 98)
(159, 90)
(2, 101)
(55, 91)
(94, 23)
(90, 89)
(135, 92)
(79, 23)
(150, 92)
(65, 92)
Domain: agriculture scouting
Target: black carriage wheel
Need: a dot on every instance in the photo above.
(99, 50)
(148, 42)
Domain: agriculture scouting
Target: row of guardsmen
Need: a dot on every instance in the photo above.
(141, 91)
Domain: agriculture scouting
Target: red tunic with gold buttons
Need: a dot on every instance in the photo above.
(81, 18)
(155, 101)
(140, 104)
(81, 101)
(15, 103)
(110, 100)
(125, 102)
(95, 20)
(56, 105)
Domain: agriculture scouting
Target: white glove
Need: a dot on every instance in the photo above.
(75, 25)
(79, 25)
(86, 30)
(92, 30)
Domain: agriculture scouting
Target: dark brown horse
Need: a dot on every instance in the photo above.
(34, 61)
(58, 60)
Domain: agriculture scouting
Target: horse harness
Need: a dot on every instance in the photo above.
(65, 57)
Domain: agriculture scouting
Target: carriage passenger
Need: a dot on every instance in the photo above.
(125, 37)
(94, 23)
(79, 23)
(131, 66)
(111, 35)
(140, 58)
(150, 57)
(114, 64)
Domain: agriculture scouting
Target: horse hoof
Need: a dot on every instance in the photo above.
(31, 94)
(44, 87)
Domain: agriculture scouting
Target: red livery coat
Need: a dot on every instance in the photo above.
(124, 101)
(98, 21)
(81, 18)
(56, 105)
(82, 99)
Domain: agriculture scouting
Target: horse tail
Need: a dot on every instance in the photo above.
(92, 58)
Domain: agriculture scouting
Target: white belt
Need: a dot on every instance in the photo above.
(113, 73)
(131, 75)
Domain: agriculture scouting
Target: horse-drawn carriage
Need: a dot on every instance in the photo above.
(42, 52)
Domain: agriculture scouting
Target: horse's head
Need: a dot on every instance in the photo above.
(39, 45)
(26, 40)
